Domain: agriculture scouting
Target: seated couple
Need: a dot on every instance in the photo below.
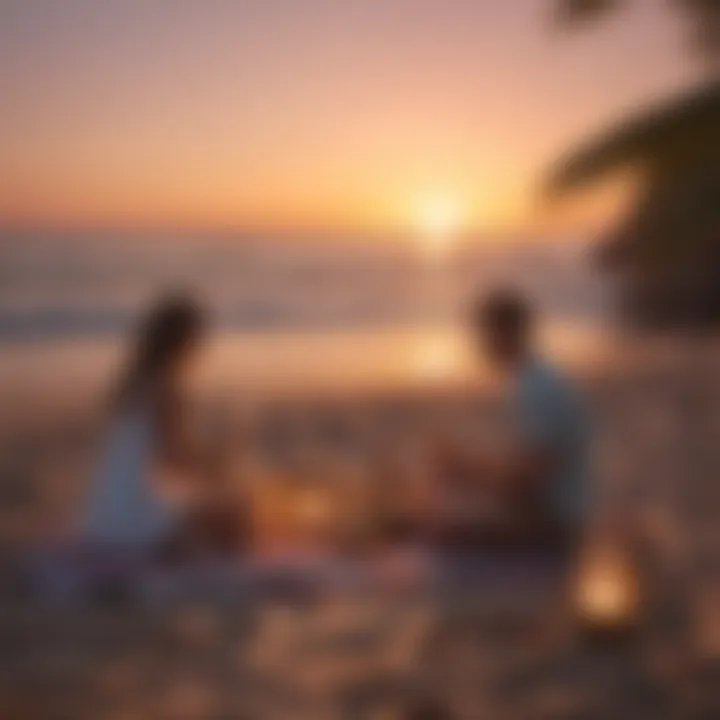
(152, 494)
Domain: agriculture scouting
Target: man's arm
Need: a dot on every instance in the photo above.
(524, 470)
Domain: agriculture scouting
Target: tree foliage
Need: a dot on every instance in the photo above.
(701, 18)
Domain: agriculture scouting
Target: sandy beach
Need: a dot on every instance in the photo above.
(477, 647)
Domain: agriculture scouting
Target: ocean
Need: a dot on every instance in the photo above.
(284, 310)
(55, 286)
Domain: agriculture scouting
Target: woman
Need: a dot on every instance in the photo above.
(147, 498)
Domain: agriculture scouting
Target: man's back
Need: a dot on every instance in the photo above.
(551, 416)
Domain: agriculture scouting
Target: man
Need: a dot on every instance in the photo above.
(538, 480)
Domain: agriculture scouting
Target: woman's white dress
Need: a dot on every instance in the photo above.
(123, 506)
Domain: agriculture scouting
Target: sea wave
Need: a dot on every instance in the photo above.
(61, 287)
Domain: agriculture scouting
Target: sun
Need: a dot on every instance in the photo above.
(438, 223)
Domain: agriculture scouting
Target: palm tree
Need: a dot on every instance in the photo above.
(666, 254)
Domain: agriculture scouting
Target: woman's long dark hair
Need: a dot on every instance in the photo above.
(168, 331)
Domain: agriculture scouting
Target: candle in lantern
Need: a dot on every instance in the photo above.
(313, 509)
(315, 518)
(607, 593)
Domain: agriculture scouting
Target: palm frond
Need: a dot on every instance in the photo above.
(572, 12)
(690, 121)
(703, 21)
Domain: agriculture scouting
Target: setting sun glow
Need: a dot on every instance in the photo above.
(439, 221)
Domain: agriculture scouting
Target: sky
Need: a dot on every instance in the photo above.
(306, 113)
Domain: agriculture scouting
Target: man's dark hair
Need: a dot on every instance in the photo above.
(504, 311)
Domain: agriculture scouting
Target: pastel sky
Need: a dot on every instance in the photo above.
(304, 113)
